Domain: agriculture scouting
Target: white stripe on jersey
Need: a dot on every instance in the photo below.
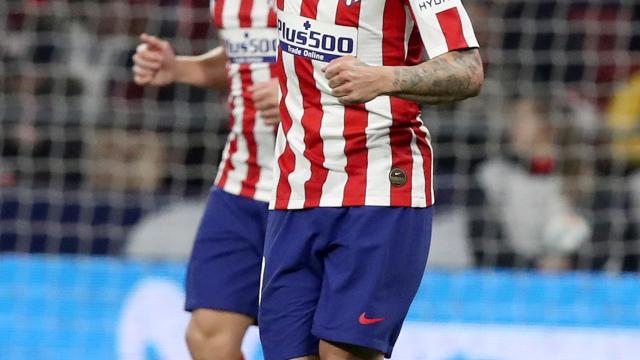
(331, 130)
(279, 150)
(408, 28)
(239, 158)
(428, 134)
(264, 139)
(259, 13)
(230, 14)
(431, 34)
(223, 159)
(418, 176)
(380, 119)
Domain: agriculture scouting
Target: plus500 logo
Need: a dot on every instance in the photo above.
(313, 39)
(251, 46)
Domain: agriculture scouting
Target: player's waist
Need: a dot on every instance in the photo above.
(329, 152)
(382, 114)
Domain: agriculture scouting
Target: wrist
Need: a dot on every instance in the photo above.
(385, 78)
(180, 69)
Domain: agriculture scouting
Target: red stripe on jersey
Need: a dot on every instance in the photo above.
(415, 52)
(311, 122)
(280, 4)
(286, 161)
(244, 15)
(272, 19)
(355, 123)
(217, 13)
(356, 120)
(248, 126)
(309, 8)
(348, 15)
(393, 28)
(451, 26)
(400, 135)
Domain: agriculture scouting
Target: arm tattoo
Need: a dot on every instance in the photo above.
(453, 76)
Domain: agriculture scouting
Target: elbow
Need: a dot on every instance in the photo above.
(476, 75)
(475, 85)
(471, 73)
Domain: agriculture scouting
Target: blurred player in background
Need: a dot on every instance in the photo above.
(347, 244)
(224, 270)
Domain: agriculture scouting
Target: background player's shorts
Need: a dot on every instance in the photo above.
(226, 260)
(340, 274)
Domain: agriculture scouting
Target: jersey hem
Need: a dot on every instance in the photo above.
(256, 197)
(383, 201)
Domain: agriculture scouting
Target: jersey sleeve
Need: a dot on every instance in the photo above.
(444, 25)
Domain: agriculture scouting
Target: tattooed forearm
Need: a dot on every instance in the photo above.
(450, 77)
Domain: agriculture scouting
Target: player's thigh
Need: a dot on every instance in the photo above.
(224, 268)
(292, 279)
(371, 276)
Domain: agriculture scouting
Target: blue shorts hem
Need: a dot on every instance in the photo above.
(190, 307)
(337, 336)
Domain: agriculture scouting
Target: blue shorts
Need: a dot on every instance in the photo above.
(225, 264)
(344, 275)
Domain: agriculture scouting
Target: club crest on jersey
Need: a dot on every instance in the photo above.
(315, 40)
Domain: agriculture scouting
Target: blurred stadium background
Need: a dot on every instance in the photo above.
(536, 248)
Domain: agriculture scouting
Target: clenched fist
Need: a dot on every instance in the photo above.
(154, 62)
(265, 97)
(354, 82)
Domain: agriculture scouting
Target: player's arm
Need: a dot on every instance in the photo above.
(454, 71)
(156, 64)
(450, 77)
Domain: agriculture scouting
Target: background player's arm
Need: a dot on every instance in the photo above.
(450, 77)
(265, 98)
(156, 64)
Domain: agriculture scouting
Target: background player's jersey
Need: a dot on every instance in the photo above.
(378, 153)
(246, 29)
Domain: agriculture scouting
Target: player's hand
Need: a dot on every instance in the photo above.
(265, 98)
(352, 81)
(154, 62)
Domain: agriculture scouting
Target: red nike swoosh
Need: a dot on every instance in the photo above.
(363, 320)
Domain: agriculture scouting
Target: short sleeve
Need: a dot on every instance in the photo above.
(444, 25)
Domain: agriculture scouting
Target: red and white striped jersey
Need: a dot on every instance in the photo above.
(247, 31)
(378, 153)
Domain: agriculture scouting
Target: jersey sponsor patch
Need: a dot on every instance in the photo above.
(315, 40)
(250, 45)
